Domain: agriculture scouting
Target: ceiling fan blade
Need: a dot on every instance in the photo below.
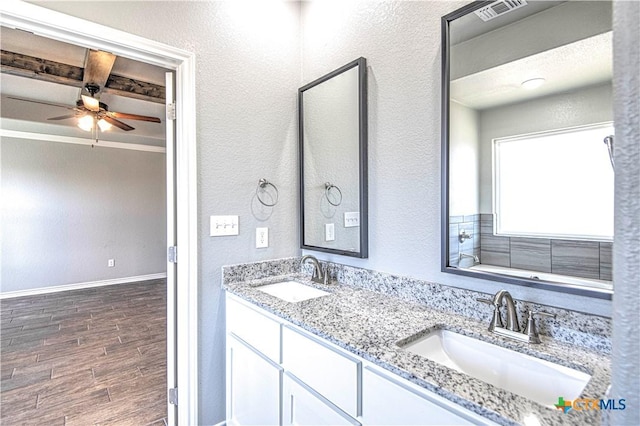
(97, 67)
(126, 116)
(92, 104)
(63, 117)
(43, 103)
(119, 124)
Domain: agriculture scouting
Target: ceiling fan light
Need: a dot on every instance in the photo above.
(91, 103)
(86, 123)
(104, 125)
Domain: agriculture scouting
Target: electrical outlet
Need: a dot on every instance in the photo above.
(329, 232)
(111, 263)
(262, 237)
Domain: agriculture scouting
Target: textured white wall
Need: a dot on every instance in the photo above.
(401, 41)
(625, 361)
(67, 209)
(248, 73)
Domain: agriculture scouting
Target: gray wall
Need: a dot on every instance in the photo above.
(67, 209)
(401, 41)
(248, 73)
(625, 361)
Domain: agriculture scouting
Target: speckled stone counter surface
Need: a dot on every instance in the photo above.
(370, 324)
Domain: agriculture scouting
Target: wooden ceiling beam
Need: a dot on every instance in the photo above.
(69, 75)
(128, 87)
(40, 69)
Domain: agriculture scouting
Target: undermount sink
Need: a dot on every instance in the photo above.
(536, 379)
(292, 291)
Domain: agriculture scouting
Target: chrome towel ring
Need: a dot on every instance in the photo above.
(328, 187)
(262, 185)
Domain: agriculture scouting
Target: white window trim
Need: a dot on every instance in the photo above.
(494, 179)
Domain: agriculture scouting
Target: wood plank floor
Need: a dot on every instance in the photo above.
(85, 357)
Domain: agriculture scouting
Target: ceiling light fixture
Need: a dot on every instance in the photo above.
(86, 123)
(104, 125)
(533, 83)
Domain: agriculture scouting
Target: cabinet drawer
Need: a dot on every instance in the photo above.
(333, 375)
(393, 401)
(258, 330)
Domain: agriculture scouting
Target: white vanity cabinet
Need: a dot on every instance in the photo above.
(335, 375)
(390, 401)
(279, 374)
(302, 405)
(253, 386)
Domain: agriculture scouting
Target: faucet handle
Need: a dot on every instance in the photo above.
(531, 330)
(496, 320)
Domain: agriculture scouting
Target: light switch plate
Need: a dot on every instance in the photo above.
(351, 219)
(262, 237)
(329, 232)
(221, 226)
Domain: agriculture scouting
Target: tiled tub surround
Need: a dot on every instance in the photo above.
(470, 224)
(361, 317)
(585, 259)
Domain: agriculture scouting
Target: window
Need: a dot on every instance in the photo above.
(555, 184)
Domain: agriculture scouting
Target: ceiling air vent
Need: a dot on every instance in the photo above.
(498, 8)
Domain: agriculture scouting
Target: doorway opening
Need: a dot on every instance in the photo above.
(182, 312)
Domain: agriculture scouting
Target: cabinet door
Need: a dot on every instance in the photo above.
(390, 401)
(332, 373)
(253, 386)
(301, 405)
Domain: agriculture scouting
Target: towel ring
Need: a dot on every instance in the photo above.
(328, 186)
(262, 184)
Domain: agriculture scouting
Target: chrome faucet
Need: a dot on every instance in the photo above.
(319, 274)
(512, 327)
(512, 315)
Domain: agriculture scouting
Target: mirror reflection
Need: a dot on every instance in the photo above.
(528, 143)
(333, 161)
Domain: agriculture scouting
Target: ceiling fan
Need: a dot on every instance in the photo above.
(93, 115)
(90, 112)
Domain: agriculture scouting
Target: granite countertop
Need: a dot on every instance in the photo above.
(369, 324)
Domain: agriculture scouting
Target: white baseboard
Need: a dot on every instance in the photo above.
(77, 286)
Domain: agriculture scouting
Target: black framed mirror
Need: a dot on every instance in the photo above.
(332, 135)
(527, 173)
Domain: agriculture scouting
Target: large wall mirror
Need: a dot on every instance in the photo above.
(333, 161)
(528, 137)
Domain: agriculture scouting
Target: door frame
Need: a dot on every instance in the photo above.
(58, 26)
